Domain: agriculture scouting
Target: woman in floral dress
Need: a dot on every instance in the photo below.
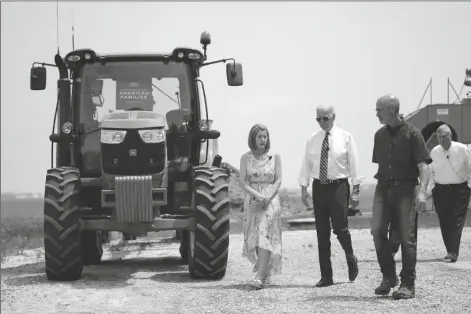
(260, 177)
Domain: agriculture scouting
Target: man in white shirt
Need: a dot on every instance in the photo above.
(331, 158)
(450, 186)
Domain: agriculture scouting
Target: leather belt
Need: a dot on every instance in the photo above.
(329, 181)
(451, 184)
(394, 182)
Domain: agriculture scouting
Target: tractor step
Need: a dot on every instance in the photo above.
(158, 224)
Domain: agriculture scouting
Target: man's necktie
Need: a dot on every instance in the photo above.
(324, 159)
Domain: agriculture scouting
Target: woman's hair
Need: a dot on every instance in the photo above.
(253, 135)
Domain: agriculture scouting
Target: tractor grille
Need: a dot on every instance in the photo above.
(133, 156)
(133, 197)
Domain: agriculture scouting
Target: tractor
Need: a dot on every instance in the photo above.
(135, 153)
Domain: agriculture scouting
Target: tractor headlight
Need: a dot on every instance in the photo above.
(152, 136)
(205, 125)
(67, 128)
(112, 136)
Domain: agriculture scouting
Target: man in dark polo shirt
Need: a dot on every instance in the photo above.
(402, 157)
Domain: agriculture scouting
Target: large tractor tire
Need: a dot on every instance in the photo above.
(92, 247)
(208, 259)
(62, 224)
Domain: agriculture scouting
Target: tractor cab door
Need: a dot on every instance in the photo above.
(91, 101)
(178, 139)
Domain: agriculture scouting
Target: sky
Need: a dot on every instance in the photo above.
(295, 56)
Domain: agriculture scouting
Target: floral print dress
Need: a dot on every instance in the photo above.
(262, 227)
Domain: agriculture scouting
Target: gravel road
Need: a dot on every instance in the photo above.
(147, 276)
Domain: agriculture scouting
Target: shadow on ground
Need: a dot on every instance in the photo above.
(109, 274)
(245, 286)
(347, 298)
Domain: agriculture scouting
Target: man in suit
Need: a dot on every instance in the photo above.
(331, 158)
(402, 157)
(450, 186)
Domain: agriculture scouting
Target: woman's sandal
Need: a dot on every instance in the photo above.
(266, 281)
(257, 283)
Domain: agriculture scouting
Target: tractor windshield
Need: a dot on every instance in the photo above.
(150, 86)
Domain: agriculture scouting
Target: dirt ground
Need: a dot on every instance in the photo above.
(147, 276)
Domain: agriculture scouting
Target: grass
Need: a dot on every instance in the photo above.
(21, 226)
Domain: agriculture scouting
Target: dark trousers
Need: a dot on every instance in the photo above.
(451, 203)
(393, 204)
(331, 205)
(395, 239)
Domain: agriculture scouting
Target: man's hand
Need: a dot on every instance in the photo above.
(305, 197)
(420, 201)
(355, 197)
(428, 194)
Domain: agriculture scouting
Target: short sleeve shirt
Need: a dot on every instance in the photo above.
(398, 151)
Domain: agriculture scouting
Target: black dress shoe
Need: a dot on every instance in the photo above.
(325, 282)
(386, 284)
(352, 268)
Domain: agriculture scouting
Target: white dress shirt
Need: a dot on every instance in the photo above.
(343, 157)
(452, 166)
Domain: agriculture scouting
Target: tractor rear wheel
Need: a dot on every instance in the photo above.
(209, 251)
(62, 224)
(92, 247)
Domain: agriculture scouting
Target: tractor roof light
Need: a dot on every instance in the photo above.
(194, 56)
(77, 57)
(73, 58)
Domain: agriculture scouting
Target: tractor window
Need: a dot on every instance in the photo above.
(149, 86)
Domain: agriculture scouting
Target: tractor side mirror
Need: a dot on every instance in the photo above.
(38, 78)
(234, 74)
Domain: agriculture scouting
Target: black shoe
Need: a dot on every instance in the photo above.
(385, 287)
(325, 282)
(405, 291)
(352, 262)
(453, 257)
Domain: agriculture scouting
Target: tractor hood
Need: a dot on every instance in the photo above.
(121, 119)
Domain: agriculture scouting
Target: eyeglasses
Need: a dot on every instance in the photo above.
(325, 119)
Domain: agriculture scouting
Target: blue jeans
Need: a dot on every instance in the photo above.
(394, 203)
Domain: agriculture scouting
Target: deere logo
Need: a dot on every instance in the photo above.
(132, 152)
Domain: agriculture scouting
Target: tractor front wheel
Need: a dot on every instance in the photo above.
(209, 250)
(62, 224)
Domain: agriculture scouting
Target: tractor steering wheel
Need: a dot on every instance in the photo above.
(135, 109)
